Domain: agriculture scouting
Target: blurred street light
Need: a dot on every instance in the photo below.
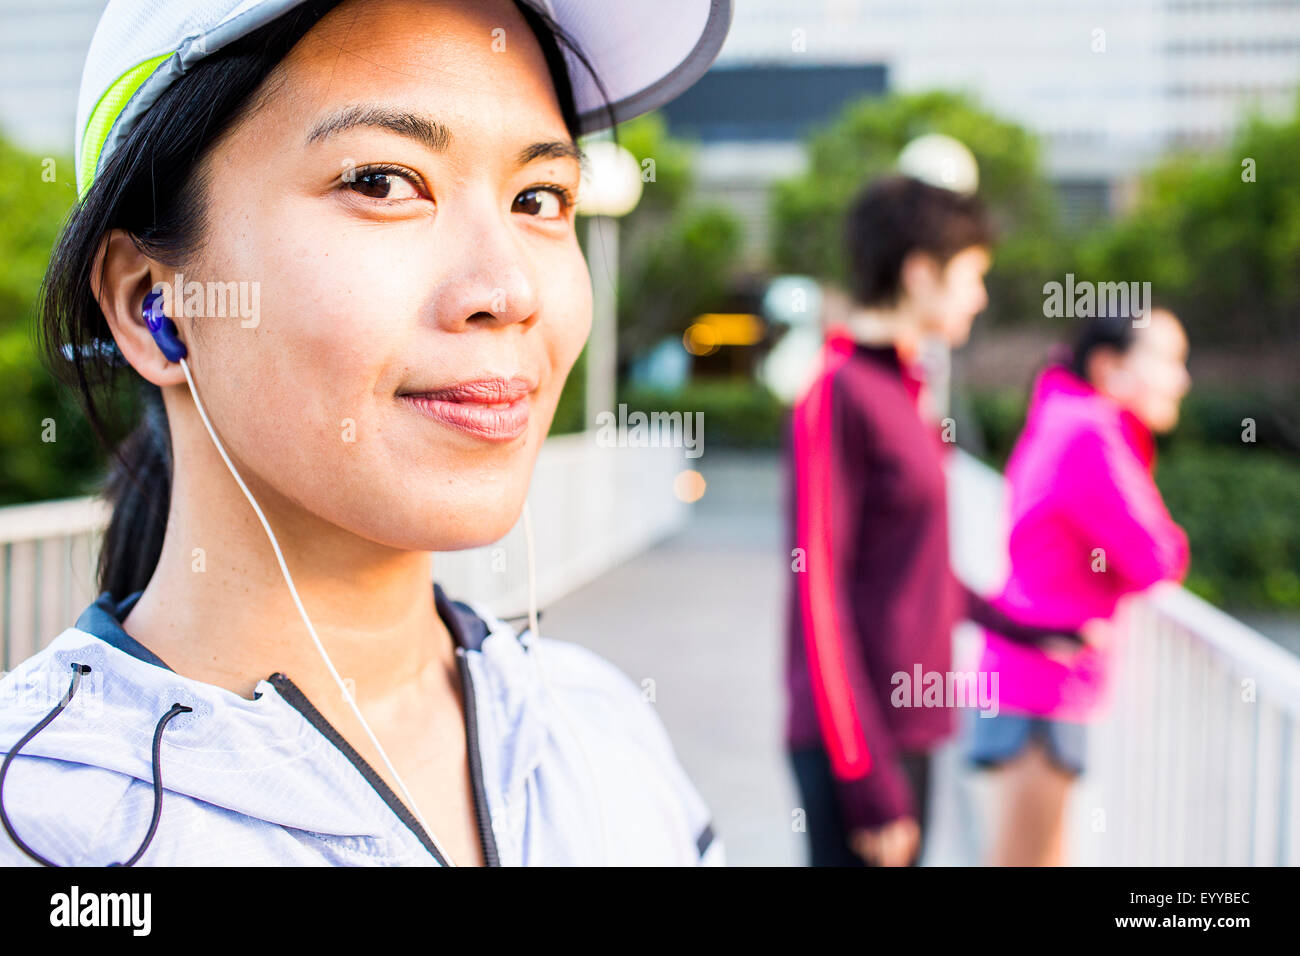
(610, 188)
(940, 161)
(793, 300)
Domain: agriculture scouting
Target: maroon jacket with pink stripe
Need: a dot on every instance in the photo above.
(872, 591)
(873, 594)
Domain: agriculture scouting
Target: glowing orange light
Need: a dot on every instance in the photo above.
(689, 486)
(699, 339)
(714, 329)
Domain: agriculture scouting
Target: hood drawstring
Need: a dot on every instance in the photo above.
(77, 671)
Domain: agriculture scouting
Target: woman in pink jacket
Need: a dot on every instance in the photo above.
(1088, 527)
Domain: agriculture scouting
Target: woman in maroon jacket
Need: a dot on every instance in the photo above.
(873, 601)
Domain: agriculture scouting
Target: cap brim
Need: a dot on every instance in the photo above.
(641, 54)
(644, 54)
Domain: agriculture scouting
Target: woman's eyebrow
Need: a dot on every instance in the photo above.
(425, 130)
(428, 132)
(555, 149)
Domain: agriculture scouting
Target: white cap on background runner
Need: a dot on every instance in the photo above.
(645, 52)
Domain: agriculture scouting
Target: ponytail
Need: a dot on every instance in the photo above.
(139, 487)
(152, 188)
(1106, 331)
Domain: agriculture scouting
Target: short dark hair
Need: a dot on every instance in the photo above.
(897, 215)
(1111, 329)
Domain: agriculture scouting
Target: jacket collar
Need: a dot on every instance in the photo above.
(260, 756)
(104, 619)
(1057, 381)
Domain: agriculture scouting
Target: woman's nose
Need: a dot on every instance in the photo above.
(487, 277)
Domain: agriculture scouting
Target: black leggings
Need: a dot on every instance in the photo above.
(827, 837)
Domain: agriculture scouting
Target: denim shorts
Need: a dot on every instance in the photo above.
(995, 740)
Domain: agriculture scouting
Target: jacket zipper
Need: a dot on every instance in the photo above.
(298, 700)
(481, 813)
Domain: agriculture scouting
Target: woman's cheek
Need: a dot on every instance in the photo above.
(578, 314)
(575, 339)
(566, 311)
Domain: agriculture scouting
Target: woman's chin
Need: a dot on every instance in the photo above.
(488, 525)
(1162, 421)
(437, 527)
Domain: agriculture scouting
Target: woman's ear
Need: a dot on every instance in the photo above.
(120, 277)
(1107, 373)
(919, 275)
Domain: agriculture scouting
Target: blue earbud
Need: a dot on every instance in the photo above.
(163, 329)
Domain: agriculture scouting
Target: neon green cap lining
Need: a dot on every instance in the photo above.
(105, 114)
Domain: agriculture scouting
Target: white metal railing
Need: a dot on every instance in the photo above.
(592, 507)
(47, 566)
(1196, 760)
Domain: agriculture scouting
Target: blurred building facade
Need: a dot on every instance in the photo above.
(42, 49)
(1108, 85)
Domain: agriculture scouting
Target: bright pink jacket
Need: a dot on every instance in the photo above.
(1088, 526)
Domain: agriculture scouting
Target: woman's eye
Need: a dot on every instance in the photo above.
(544, 202)
(376, 182)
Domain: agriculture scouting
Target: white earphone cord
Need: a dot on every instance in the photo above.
(533, 630)
(534, 644)
(284, 569)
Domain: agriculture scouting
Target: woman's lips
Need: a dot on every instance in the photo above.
(491, 409)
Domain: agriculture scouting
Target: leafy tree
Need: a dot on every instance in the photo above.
(864, 143)
(676, 255)
(36, 194)
(1218, 237)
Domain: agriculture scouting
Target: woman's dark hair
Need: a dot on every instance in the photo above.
(154, 187)
(1112, 331)
(897, 215)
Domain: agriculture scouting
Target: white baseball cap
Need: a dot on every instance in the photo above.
(645, 53)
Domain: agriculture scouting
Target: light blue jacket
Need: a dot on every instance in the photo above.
(267, 782)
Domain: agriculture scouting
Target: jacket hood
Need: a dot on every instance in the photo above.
(261, 757)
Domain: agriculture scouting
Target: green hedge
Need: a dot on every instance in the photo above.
(737, 413)
(1207, 418)
(1239, 502)
(1241, 509)
(46, 450)
(1215, 418)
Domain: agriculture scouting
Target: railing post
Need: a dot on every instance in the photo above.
(1284, 794)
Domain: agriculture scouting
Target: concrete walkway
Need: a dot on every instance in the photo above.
(700, 615)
